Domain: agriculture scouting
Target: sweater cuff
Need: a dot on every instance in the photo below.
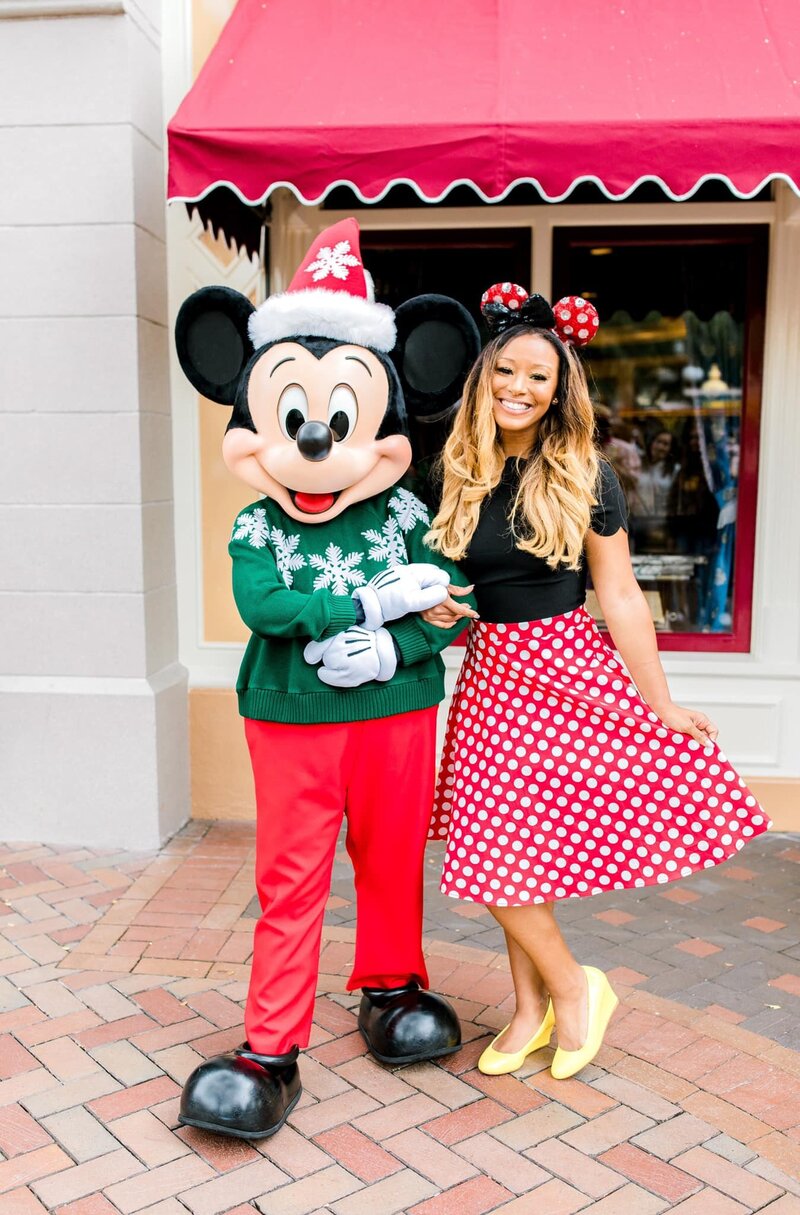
(411, 640)
(342, 616)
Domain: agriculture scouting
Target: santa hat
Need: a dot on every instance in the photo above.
(330, 296)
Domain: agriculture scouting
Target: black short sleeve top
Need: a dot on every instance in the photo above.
(511, 585)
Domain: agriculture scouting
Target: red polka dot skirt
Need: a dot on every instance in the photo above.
(557, 780)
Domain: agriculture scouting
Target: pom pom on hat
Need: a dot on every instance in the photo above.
(577, 321)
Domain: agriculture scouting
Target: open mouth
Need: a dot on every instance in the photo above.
(313, 504)
(514, 406)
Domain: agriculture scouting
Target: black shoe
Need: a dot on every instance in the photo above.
(407, 1024)
(242, 1094)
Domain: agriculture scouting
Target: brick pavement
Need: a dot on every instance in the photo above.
(119, 973)
(728, 937)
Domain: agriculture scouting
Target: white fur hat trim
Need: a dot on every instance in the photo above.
(316, 312)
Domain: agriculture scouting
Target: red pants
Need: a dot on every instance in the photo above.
(380, 774)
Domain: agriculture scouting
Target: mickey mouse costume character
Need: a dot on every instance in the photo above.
(329, 568)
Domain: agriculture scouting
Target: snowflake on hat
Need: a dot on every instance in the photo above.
(335, 260)
(573, 319)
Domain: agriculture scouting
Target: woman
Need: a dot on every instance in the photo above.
(559, 779)
(651, 495)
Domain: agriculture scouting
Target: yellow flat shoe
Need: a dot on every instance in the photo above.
(602, 1002)
(495, 1062)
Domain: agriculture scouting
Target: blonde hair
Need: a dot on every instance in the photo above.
(551, 512)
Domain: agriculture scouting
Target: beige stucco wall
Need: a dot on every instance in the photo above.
(222, 784)
(92, 696)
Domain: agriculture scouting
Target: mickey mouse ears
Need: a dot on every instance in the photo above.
(573, 319)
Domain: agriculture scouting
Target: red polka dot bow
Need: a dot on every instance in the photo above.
(573, 318)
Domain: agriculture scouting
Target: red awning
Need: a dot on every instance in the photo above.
(312, 94)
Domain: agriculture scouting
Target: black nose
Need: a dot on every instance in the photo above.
(315, 440)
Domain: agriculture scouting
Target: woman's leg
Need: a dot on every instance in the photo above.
(550, 967)
(530, 993)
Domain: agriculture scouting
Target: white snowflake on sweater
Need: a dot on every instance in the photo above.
(337, 572)
(388, 543)
(333, 260)
(286, 559)
(408, 509)
(253, 528)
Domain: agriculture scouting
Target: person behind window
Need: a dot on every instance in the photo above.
(617, 443)
(694, 513)
(650, 496)
(564, 773)
(692, 506)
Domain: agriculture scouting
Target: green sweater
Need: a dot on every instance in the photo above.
(293, 583)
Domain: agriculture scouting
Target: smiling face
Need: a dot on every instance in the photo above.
(315, 450)
(524, 381)
(661, 446)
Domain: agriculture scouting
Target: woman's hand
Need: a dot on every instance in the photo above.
(444, 615)
(688, 721)
(630, 624)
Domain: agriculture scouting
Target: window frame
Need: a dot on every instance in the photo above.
(755, 237)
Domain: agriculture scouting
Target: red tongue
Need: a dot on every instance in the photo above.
(313, 504)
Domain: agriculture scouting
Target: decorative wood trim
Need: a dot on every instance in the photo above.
(21, 9)
(777, 574)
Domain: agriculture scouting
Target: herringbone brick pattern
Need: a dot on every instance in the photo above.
(118, 974)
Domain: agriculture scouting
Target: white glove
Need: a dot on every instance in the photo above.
(354, 657)
(399, 590)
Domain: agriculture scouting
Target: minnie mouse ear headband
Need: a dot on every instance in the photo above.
(573, 319)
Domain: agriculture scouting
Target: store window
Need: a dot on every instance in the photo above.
(459, 262)
(675, 373)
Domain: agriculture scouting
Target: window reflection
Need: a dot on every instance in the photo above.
(669, 422)
(681, 313)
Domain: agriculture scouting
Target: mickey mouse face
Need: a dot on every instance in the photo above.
(314, 449)
(319, 423)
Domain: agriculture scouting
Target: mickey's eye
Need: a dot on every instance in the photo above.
(292, 410)
(342, 412)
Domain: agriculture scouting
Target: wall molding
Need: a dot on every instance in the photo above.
(20, 9)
